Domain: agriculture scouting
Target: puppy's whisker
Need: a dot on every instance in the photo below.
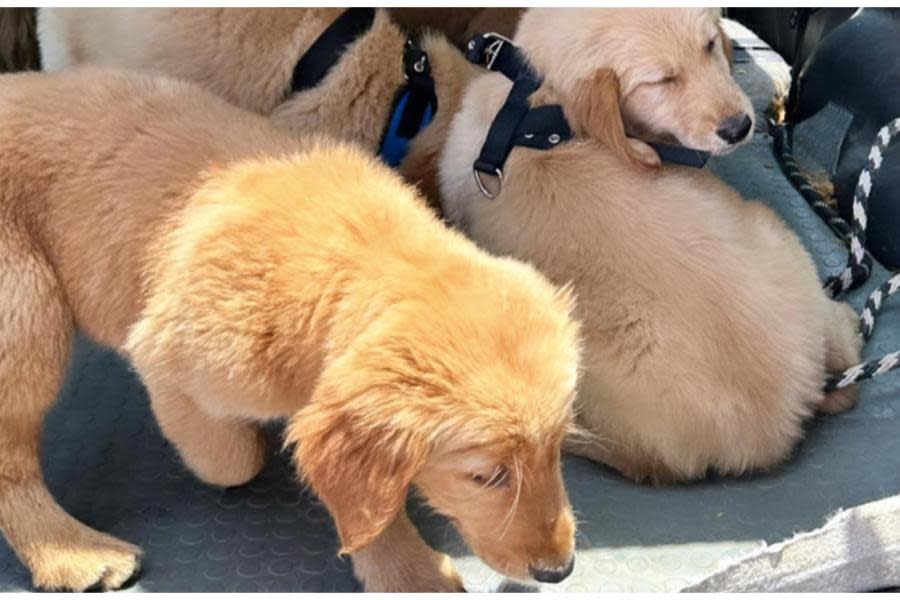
(515, 503)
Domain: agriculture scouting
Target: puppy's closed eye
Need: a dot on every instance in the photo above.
(710, 46)
(499, 477)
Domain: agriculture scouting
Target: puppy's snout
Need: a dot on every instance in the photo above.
(555, 574)
(735, 128)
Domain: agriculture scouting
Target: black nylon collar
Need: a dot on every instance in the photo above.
(540, 128)
(327, 49)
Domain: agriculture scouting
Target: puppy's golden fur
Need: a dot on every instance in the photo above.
(250, 278)
(707, 332)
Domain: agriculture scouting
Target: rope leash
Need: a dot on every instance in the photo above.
(859, 262)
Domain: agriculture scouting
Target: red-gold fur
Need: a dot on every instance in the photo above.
(248, 277)
(707, 333)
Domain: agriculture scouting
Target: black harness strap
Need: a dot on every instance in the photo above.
(540, 128)
(420, 85)
(415, 103)
(327, 49)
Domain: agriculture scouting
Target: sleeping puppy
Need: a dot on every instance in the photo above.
(248, 56)
(707, 333)
(667, 72)
(248, 277)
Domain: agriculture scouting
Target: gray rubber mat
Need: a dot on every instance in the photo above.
(106, 462)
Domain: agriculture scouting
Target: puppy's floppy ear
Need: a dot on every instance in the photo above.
(594, 110)
(358, 464)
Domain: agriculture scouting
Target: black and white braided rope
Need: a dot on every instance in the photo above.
(783, 139)
(859, 262)
(859, 267)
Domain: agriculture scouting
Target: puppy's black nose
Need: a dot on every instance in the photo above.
(735, 128)
(553, 575)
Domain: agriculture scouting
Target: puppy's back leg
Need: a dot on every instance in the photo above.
(35, 339)
(843, 351)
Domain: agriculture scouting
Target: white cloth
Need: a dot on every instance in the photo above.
(857, 550)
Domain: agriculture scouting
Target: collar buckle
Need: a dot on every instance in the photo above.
(484, 49)
(493, 50)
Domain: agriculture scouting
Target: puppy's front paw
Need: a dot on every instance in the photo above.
(840, 400)
(433, 572)
(100, 561)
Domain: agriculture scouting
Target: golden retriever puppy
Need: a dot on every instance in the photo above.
(247, 56)
(668, 68)
(250, 277)
(707, 333)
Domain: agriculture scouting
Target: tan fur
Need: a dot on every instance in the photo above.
(707, 332)
(247, 57)
(642, 47)
(250, 277)
(459, 24)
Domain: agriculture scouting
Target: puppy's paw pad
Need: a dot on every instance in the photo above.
(105, 566)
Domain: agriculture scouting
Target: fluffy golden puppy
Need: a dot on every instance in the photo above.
(707, 333)
(248, 277)
(668, 68)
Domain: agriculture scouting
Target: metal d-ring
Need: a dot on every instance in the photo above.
(497, 173)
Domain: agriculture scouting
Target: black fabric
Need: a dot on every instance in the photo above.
(516, 123)
(327, 49)
(503, 132)
(496, 53)
(414, 107)
(680, 155)
(791, 32)
(415, 103)
(857, 67)
(420, 85)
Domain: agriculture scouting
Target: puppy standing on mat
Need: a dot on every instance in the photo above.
(250, 278)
